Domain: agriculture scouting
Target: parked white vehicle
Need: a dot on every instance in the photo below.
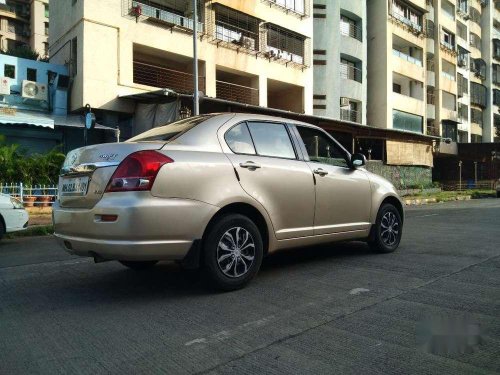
(13, 216)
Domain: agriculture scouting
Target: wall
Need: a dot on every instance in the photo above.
(402, 177)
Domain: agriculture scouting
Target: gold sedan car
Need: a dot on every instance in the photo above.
(219, 192)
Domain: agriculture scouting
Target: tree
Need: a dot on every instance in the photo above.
(24, 52)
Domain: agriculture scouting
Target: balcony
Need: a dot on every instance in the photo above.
(448, 47)
(165, 15)
(347, 114)
(413, 27)
(433, 130)
(406, 57)
(299, 8)
(157, 76)
(350, 72)
(237, 93)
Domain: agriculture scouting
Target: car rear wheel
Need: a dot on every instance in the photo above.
(139, 265)
(232, 252)
(386, 233)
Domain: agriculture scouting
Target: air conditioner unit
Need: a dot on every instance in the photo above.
(4, 86)
(247, 42)
(344, 102)
(34, 90)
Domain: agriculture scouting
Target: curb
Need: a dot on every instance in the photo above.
(422, 201)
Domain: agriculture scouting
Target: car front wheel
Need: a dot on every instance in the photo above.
(387, 231)
(233, 252)
(2, 228)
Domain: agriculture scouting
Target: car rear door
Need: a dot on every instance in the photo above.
(267, 166)
(343, 194)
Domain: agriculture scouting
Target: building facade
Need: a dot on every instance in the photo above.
(252, 52)
(432, 67)
(24, 23)
(340, 59)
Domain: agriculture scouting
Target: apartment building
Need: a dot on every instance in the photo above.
(340, 56)
(24, 23)
(253, 52)
(439, 79)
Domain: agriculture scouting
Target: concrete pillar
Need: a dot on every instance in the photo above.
(263, 90)
(210, 78)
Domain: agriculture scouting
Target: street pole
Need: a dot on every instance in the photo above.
(475, 174)
(460, 173)
(196, 99)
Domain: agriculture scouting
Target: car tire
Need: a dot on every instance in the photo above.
(232, 252)
(139, 265)
(387, 231)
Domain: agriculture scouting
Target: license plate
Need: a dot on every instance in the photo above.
(75, 186)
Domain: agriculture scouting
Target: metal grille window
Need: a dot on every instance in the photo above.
(236, 27)
(463, 57)
(478, 94)
(285, 44)
(463, 85)
(171, 12)
(349, 27)
(299, 7)
(496, 73)
(348, 70)
(406, 14)
(496, 49)
(475, 41)
(496, 97)
(478, 66)
(475, 15)
(476, 116)
(463, 112)
(462, 30)
(429, 29)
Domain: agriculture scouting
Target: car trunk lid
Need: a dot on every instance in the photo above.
(87, 171)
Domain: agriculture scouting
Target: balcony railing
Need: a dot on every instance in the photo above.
(298, 7)
(237, 36)
(347, 114)
(411, 24)
(157, 76)
(351, 30)
(433, 130)
(350, 72)
(448, 46)
(166, 16)
(237, 93)
(406, 57)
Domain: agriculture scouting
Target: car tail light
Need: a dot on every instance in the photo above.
(137, 172)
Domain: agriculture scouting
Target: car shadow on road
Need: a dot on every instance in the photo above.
(113, 283)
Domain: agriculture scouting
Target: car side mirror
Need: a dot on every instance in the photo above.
(358, 160)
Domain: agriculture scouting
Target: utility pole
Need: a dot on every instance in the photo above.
(196, 99)
(475, 174)
(460, 175)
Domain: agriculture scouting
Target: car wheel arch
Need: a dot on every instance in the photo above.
(395, 202)
(2, 225)
(249, 211)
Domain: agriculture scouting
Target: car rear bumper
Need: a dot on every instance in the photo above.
(146, 228)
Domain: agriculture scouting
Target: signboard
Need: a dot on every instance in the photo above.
(8, 111)
(408, 153)
(4, 86)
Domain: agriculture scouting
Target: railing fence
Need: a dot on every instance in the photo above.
(31, 195)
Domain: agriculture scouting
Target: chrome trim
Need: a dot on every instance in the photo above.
(86, 167)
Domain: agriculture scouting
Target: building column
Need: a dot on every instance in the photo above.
(263, 90)
(210, 79)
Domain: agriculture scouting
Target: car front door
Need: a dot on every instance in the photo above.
(343, 194)
(268, 169)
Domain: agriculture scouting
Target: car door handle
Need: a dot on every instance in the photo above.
(320, 171)
(249, 165)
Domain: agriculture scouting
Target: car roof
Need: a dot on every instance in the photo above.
(252, 116)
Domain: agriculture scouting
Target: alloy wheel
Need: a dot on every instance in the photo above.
(389, 230)
(235, 252)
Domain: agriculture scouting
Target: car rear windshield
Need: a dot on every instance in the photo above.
(170, 131)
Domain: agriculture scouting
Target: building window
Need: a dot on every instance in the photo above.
(407, 121)
(46, 28)
(46, 48)
(463, 85)
(475, 40)
(236, 28)
(463, 7)
(449, 101)
(285, 44)
(407, 15)
(448, 39)
(396, 88)
(496, 49)
(463, 57)
(448, 9)
(478, 66)
(46, 10)
(31, 74)
(450, 130)
(476, 138)
(496, 74)
(9, 71)
(476, 116)
(478, 94)
(349, 70)
(463, 112)
(475, 15)
(496, 97)
(463, 136)
(462, 30)
(350, 28)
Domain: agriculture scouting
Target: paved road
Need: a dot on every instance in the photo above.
(432, 307)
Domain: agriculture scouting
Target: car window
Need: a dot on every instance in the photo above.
(239, 140)
(322, 149)
(271, 140)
